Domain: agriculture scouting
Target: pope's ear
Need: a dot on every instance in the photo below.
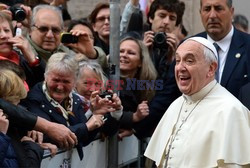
(212, 68)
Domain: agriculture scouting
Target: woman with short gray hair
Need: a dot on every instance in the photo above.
(55, 100)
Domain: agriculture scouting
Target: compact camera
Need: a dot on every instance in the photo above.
(160, 40)
(106, 94)
(68, 38)
(18, 13)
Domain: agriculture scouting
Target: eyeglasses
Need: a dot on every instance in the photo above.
(44, 29)
(102, 19)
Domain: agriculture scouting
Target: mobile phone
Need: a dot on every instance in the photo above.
(68, 38)
(18, 31)
(106, 94)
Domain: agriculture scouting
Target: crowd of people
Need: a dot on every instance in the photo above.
(190, 95)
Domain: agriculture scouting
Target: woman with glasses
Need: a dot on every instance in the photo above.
(99, 18)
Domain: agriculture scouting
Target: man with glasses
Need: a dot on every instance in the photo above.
(45, 35)
(46, 27)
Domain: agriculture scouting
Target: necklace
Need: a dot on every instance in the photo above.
(173, 133)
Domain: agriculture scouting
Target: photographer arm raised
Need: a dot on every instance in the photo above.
(85, 44)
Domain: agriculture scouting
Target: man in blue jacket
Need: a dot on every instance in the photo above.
(234, 53)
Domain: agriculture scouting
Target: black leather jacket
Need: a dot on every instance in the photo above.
(18, 115)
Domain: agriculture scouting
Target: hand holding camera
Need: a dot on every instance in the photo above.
(107, 95)
(157, 40)
(68, 38)
(172, 46)
(107, 101)
(80, 41)
(99, 105)
(18, 13)
(160, 40)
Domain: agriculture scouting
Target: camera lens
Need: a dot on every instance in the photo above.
(160, 40)
(18, 13)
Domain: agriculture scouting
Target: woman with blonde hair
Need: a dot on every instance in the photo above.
(12, 141)
(139, 77)
(145, 70)
(11, 87)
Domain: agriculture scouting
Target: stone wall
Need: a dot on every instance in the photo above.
(191, 18)
(82, 8)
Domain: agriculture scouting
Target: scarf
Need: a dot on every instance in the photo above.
(13, 57)
(44, 54)
(86, 105)
(68, 103)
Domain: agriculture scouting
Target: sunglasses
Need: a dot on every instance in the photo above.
(102, 19)
(44, 29)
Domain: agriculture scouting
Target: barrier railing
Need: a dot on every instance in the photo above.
(95, 155)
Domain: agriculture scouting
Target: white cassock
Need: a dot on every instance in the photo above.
(208, 129)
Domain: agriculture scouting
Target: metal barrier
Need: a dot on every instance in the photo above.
(95, 155)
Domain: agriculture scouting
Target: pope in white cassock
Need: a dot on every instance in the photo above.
(206, 126)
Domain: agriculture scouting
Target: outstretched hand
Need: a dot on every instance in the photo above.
(85, 44)
(100, 105)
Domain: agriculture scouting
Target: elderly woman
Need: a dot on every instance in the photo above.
(139, 75)
(55, 100)
(33, 67)
(91, 81)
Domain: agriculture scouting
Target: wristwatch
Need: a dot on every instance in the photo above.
(35, 63)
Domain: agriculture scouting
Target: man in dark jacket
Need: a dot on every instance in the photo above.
(234, 60)
(163, 17)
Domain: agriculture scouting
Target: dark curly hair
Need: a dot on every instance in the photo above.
(175, 6)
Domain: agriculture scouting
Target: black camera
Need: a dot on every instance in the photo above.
(18, 13)
(106, 94)
(68, 38)
(160, 40)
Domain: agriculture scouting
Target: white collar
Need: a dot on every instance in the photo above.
(200, 94)
(224, 43)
